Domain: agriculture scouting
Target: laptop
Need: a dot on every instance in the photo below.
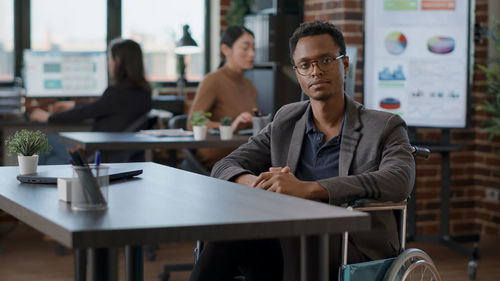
(50, 176)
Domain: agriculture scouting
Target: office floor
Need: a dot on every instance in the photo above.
(27, 255)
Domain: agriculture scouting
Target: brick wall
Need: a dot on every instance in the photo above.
(224, 9)
(474, 168)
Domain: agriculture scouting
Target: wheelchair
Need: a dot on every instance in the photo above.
(410, 264)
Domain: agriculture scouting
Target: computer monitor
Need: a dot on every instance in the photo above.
(263, 78)
(64, 74)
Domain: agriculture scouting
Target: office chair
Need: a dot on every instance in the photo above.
(190, 162)
(143, 122)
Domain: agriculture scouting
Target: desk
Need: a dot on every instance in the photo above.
(131, 140)
(170, 205)
(10, 126)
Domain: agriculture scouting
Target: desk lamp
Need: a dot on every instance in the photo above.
(185, 46)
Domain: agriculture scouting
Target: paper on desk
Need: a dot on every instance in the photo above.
(166, 133)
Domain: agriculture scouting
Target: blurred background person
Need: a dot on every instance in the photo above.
(127, 98)
(227, 92)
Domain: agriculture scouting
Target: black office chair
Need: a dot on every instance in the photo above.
(143, 122)
(190, 162)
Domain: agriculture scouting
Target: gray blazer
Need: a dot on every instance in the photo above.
(375, 162)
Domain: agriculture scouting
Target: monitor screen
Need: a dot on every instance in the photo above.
(65, 74)
(263, 80)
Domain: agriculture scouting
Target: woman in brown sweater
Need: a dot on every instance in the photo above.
(227, 92)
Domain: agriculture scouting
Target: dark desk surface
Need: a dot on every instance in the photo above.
(130, 140)
(166, 204)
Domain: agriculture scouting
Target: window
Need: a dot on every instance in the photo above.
(6, 40)
(157, 26)
(68, 25)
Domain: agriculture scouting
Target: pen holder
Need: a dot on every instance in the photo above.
(259, 122)
(89, 188)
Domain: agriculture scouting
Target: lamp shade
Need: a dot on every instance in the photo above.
(186, 45)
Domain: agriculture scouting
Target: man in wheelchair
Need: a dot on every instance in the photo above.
(329, 149)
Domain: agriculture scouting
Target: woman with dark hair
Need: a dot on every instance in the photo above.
(127, 98)
(226, 92)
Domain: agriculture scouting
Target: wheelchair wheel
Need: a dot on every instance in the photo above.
(412, 264)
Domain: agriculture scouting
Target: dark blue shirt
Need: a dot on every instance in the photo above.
(317, 160)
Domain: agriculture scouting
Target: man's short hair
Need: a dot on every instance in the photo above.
(316, 28)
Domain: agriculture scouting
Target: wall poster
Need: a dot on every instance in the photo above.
(416, 61)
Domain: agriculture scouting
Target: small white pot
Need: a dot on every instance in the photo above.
(27, 164)
(200, 132)
(226, 132)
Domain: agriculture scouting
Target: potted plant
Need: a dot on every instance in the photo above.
(27, 145)
(199, 121)
(237, 12)
(226, 128)
(492, 104)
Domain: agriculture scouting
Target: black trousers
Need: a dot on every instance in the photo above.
(262, 260)
(257, 260)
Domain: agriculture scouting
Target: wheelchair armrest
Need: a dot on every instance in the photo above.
(374, 205)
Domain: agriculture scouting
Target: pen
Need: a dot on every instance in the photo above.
(97, 161)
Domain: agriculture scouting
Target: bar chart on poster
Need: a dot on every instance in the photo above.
(417, 61)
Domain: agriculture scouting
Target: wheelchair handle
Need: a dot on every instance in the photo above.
(420, 151)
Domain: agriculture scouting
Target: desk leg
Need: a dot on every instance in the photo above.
(314, 258)
(80, 259)
(134, 266)
(172, 158)
(103, 264)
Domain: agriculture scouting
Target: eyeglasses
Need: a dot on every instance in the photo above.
(306, 68)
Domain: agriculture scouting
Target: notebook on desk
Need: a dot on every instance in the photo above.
(50, 176)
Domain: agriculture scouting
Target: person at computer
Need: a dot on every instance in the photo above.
(227, 92)
(126, 99)
(329, 149)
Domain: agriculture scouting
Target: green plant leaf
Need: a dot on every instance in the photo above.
(200, 118)
(27, 143)
(492, 73)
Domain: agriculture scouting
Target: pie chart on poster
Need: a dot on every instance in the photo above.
(441, 45)
(395, 43)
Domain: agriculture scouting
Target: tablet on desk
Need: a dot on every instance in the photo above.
(50, 176)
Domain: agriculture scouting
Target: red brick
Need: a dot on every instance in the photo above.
(353, 4)
(426, 217)
(461, 182)
(457, 215)
(313, 7)
(431, 229)
(332, 5)
(462, 204)
(491, 206)
(422, 195)
(490, 230)
(462, 158)
(465, 227)
(483, 216)
(432, 206)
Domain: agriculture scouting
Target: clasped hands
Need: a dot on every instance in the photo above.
(280, 180)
